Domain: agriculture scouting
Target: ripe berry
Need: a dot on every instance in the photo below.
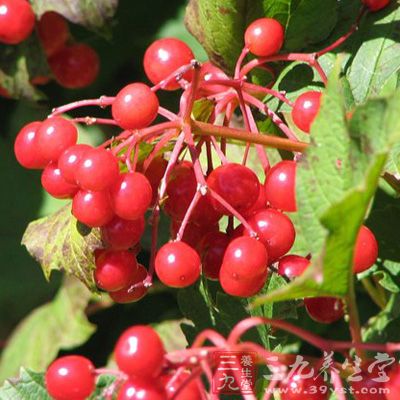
(193, 233)
(275, 231)
(292, 266)
(190, 391)
(264, 37)
(210, 72)
(244, 267)
(54, 136)
(141, 389)
(53, 32)
(17, 21)
(135, 106)
(121, 234)
(366, 250)
(393, 384)
(92, 208)
(300, 387)
(54, 183)
(26, 149)
(154, 173)
(280, 186)
(369, 389)
(164, 57)
(69, 160)
(70, 378)
(376, 5)
(97, 170)
(177, 265)
(115, 270)
(305, 110)
(324, 309)
(236, 184)
(213, 248)
(130, 294)
(140, 352)
(75, 66)
(131, 195)
(260, 203)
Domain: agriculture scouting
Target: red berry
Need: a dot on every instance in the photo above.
(97, 170)
(135, 106)
(193, 233)
(131, 195)
(92, 208)
(69, 160)
(260, 203)
(324, 309)
(300, 387)
(213, 248)
(366, 250)
(264, 37)
(210, 72)
(141, 389)
(140, 352)
(190, 391)
(115, 270)
(305, 110)
(244, 267)
(275, 231)
(53, 32)
(164, 57)
(54, 183)
(292, 266)
(177, 265)
(280, 186)
(70, 378)
(236, 184)
(369, 389)
(376, 5)
(75, 66)
(130, 293)
(26, 148)
(4, 93)
(54, 136)
(154, 173)
(121, 234)
(393, 384)
(17, 21)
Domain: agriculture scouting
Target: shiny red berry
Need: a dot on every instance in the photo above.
(324, 309)
(280, 186)
(260, 203)
(97, 170)
(305, 110)
(154, 173)
(236, 184)
(177, 265)
(26, 148)
(366, 250)
(70, 378)
(164, 57)
(140, 352)
(75, 66)
(264, 37)
(275, 230)
(135, 106)
(69, 160)
(376, 5)
(115, 270)
(55, 184)
(17, 21)
(292, 266)
(210, 72)
(121, 234)
(194, 233)
(190, 390)
(92, 208)
(393, 384)
(53, 32)
(132, 293)
(131, 195)
(369, 387)
(141, 389)
(54, 136)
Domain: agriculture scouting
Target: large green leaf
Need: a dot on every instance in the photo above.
(336, 182)
(61, 324)
(59, 242)
(378, 55)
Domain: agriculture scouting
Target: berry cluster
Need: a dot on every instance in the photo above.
(74, 65)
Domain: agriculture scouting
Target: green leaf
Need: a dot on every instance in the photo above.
(378, 56)
(92, 14)
(61, 324)
(59, 242)
(336, 181)
(171, 335)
